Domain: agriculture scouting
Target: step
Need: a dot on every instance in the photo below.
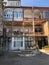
(15, 53)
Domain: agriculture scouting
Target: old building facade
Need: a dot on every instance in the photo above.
(24, 26)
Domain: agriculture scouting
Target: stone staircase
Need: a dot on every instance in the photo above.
(26, 52)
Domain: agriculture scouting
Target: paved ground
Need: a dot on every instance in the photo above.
(40, 59)
(44, 51)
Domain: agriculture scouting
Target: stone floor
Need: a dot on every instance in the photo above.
(38, 59)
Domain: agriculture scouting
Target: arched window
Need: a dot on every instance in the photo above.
(37, 14)
(18, 14)
(46, 14)
(7, 15)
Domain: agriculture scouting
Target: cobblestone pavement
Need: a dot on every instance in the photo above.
(39, 59)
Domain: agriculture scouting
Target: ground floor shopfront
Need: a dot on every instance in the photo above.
(21, 42)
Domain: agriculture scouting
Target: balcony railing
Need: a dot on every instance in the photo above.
(34, 34)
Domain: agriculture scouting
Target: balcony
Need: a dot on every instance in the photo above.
(34, 34)
(28, 21)
(17, 32)
(17, 23)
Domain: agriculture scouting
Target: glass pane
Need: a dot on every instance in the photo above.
(18, 42)
(14, 43)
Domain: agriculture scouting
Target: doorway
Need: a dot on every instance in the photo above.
(42, 41)
(17, 43)
(28, 42)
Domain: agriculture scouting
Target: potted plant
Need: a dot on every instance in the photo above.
(46, 48)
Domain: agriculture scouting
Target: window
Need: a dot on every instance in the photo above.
(28, 42)
(37, 14)
(38, 30)
(18, 42)
(46, 14)
(21, 43)
(15, 14)
(18, 15)
(7, 15)
(18, 3)
(14, 43)
(13, 3)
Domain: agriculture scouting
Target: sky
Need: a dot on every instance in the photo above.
(39, 3)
